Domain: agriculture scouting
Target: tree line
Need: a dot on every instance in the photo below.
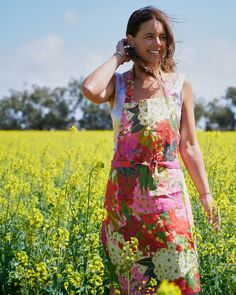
(43, 108)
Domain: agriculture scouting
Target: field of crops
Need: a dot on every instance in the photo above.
(52, 187)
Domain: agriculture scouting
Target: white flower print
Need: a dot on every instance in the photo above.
(151, 109)
(171, 264)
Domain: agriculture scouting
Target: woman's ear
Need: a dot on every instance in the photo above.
(130, 40)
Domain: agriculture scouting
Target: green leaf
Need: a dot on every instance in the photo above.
(151, 183)
(143, 177)
(162, 236)
(114, 215)
(125, 211)
(146, 180)
(192, 282)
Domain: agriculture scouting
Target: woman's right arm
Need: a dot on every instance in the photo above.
(99, 86)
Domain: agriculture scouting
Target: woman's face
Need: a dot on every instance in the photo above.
(150, 42)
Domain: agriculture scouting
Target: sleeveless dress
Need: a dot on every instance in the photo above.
(146, 195)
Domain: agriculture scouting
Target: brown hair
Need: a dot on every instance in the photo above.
(136, 19)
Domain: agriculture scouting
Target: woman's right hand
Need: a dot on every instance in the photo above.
(120, 47)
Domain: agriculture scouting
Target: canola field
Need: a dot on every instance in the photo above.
(52, 187)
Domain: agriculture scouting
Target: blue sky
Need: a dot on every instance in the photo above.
(48, 42)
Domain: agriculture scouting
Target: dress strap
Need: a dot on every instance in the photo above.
(119, 92)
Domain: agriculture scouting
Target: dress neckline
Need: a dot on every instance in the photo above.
(130, 87)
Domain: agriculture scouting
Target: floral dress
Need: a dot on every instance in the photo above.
(146, 195)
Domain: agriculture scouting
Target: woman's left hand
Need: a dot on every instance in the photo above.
(212, 211)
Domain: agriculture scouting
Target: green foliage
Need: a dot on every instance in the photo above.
(95, 116)
(52, 187)
(49, 109)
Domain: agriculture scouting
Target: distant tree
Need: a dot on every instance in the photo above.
(11, 110)
(74, 97)
(43, 108)
(219, 117)
(95, 116)
(199, 110)
(231, 95)
(40, 109)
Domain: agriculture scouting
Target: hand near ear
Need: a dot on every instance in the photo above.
(121, 48)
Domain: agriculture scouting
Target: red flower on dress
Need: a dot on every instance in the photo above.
(131, 228)
(166, 132)
(120, 245)
(177, 224)
(110, 195)
(169, 237)
(149, 240)
(179, 248)
(142, 154)
(185, 288)
(126, 185)
(150, 218)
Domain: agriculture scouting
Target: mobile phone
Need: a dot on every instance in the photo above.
(129, 50)
(127, 47)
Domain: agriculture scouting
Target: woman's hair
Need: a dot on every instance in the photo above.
(136, 19)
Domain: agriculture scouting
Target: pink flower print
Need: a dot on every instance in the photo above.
(137, 275)
(123, 283)
(168, 90)
(166, 203)
(128, 146)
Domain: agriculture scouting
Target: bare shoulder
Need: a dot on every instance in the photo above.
(187, 82)
(187, 90)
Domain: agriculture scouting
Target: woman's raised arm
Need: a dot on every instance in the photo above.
(99, 86)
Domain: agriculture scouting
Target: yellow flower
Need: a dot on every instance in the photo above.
(73, 129)
(168, 289)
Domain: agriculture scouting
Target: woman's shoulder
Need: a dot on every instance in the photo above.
(119, 80)
(174, 74)
(123, 75)
(182, 76)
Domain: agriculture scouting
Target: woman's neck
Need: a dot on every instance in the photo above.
(141, 75)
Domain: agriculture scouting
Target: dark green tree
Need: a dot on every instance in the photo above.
(199, 110)
(231, 95)
(40, 109)
(220, 117)
(95, 116)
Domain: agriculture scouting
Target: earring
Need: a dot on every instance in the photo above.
(164, 55)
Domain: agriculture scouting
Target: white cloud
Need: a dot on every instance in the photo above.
(43, 61)
(43, 50)
(211, 68)
(71, 18)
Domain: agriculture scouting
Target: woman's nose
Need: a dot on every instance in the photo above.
(157, 41)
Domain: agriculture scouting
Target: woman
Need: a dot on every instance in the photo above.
(146, 196)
